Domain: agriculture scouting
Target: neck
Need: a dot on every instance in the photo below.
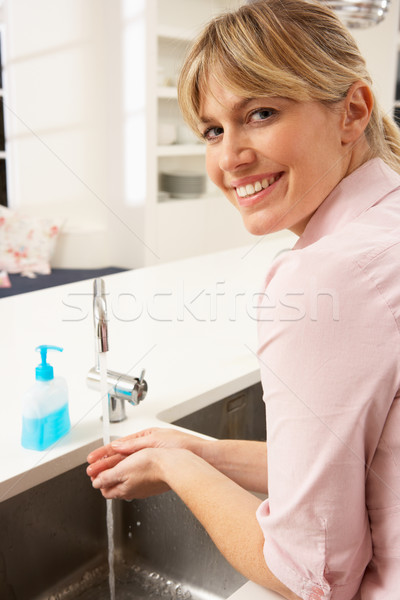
(360, 153)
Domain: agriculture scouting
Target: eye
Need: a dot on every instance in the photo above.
(262, 114)
(212, 133)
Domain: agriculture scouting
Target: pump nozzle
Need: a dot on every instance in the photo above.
(44, 371)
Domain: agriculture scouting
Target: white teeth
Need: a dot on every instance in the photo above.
(250, 189)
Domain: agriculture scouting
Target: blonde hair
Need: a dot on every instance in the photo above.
(295, 49)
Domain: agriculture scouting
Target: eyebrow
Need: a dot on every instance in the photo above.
(238, 106)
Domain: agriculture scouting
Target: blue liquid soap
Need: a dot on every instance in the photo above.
(45, 412)
(40, 433)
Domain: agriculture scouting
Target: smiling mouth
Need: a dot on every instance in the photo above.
(246, 191)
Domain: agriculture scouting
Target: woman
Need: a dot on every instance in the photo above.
(295, 139)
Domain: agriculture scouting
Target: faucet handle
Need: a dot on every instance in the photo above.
(139, 390)
(121, 387)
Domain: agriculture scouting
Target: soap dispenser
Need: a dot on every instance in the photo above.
(45, 413)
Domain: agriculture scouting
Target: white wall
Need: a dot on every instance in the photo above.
(126, 129)
(73, 121)
(378, 45)
(54, 141)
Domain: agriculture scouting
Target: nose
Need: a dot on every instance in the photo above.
(235, 152)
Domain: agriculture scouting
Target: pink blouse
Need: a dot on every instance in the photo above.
(329, 353)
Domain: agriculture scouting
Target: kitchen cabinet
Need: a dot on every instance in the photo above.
(192, 225)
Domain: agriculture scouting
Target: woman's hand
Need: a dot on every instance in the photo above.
(107, 457)
(135, 476)
(243, 461)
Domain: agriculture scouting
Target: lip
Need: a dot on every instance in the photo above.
(253, 178)
(255, 198)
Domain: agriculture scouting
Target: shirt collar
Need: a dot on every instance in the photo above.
(355, 194)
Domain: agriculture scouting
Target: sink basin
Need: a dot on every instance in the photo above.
(239, 417)
(53, 545)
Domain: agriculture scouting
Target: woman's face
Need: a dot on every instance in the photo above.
(275, 159)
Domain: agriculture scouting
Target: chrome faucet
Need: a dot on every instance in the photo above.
(122, 387)
(100, 319)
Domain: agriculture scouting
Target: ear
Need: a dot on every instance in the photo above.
(358, 106)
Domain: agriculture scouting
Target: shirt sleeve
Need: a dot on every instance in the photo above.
(327, 353)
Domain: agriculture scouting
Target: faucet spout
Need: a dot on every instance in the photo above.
(122, 387)
(100, 318)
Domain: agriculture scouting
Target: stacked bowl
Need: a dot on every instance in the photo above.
(183, 184)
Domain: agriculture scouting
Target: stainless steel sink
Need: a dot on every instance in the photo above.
(53, 542)
(239, 417)
(53, 545)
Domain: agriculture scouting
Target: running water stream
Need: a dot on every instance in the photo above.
(106, 440)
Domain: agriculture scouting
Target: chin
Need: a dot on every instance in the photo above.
(257, 226)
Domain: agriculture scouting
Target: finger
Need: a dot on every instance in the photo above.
(117, 492)
(138, 441)
(103, 464)
(103, 452)
(128, 446)
(110, 494)
(107, 479)
(100, 453)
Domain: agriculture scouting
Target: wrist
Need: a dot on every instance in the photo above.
(174, 463)
(197, 445)
(206, 449)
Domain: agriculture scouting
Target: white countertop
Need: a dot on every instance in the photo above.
(191, 324)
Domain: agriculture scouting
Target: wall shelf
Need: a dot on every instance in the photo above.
(181, 150)
(180, 227)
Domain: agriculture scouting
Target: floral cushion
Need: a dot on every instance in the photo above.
(27, 242)
(4, 280)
